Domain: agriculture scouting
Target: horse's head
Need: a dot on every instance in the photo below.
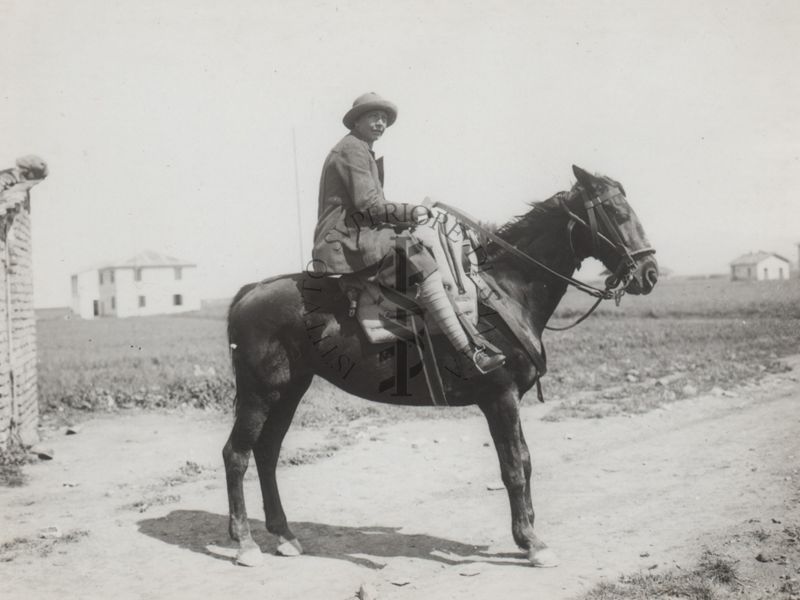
(604, 226)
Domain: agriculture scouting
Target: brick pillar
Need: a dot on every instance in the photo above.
(23, 323)
(19, 409)
(5, 359)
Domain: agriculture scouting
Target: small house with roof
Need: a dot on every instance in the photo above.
(797, 270)
(149, 283)
(760, 266)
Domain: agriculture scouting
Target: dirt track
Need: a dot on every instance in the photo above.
(405, 504)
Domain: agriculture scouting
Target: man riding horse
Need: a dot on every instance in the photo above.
(273, 355)
(359, 231)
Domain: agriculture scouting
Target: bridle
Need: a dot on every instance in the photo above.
(615, 285)
(619, 280)
(596, 211)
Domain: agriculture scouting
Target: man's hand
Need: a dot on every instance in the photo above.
(423, 212)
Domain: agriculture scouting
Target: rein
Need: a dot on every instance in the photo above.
(594, 208)
(473, 223)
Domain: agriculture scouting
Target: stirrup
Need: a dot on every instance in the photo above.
(499, 360)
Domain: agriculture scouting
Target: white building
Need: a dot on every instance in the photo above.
(146, 284)
(760, 266)
(797, 266)
(86, 294)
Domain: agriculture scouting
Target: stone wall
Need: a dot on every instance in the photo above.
(19, 412)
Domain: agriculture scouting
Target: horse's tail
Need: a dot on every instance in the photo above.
(232, 342)
(244, 374)
(239, 295)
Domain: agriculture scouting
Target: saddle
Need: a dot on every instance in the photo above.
(382, 312)
(386, 315)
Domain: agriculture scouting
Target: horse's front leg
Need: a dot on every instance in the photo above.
(528, 470)
(502, 415)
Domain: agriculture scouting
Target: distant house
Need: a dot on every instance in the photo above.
(760, 266)
(146, 284)
(797, 270)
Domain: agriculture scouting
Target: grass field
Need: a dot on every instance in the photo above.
(705, 297)
(688, 337)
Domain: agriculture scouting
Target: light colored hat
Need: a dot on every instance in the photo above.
(32, 167)
(365, 103)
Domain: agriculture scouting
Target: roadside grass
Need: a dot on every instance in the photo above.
(760, 567)
(156, 494)
(166, 490)
(630, 366)
(151, 500)
(42, 546)
(688, 337)
(644, 586)
(152, 362)
(306, 456)
(13, 457)
(705, 297)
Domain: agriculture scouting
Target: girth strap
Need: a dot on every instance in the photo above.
(503, 305)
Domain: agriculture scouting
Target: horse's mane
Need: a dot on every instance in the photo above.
(540, 217)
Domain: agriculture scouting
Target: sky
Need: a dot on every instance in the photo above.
(198, 129)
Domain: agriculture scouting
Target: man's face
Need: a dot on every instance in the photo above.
(370, 126)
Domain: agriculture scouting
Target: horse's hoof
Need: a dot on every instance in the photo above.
(543, 557)
(249, 556)
(289, 547)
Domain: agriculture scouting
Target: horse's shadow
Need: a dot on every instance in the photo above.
(201, 531)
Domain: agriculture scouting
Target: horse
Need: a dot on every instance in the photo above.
(285, 330)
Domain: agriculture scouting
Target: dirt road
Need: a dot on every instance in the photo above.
(405, 508)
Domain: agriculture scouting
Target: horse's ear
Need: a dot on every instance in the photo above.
(581, 175)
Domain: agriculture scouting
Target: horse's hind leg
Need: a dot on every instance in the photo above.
(502, 415)
(247, 427)
(266, 452)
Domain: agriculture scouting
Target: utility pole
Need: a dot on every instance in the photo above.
(297, 199)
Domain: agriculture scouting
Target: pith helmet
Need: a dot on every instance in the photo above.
(365, 103)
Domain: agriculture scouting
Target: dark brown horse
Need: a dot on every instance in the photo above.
(285, 330)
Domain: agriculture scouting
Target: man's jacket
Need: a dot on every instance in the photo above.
(355, 226)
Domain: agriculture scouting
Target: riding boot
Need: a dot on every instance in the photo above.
(433, 297)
